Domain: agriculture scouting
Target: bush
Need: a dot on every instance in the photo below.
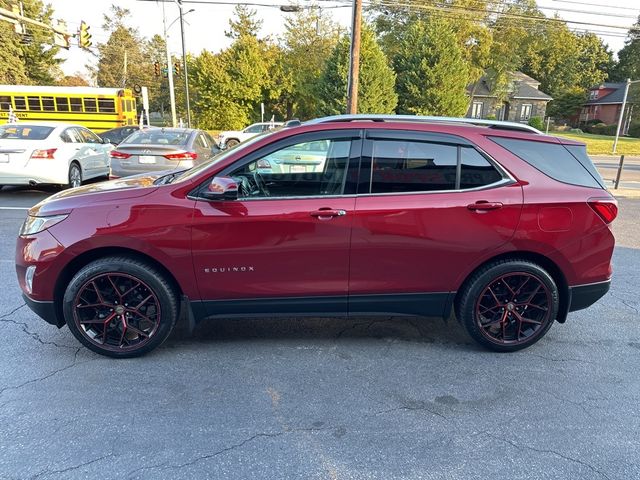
(536, 122)
(634, 129)
(575, 130)
(491, 117)
(602, 129)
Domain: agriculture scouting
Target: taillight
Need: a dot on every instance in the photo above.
(606, 208)
(44, 154)
(181, 156)
(117, 154)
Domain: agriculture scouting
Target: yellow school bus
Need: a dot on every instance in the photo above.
(98, 109)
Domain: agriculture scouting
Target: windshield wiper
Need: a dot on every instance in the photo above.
(166, 179)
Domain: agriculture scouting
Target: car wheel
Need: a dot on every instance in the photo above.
(508, 305)
(232, 143)
(120, 307)
(75, 175)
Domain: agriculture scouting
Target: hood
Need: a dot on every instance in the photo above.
(114, 190)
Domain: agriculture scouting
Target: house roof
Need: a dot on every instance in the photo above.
(613, 97)
(526, 88)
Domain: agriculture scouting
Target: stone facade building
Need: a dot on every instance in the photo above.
(524, 102)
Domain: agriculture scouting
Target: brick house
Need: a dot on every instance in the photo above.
(604, 104)
(524, 102)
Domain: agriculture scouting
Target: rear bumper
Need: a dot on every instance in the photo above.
(45, 310)
(583, 296)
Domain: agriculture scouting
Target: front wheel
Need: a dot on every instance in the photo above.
(508, 305)
(75, 175)
(120, 307)
(232, 143)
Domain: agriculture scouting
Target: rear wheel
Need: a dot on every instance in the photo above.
(75, 175)
(120, 307)
(508, 305)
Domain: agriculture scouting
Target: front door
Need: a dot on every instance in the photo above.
(283, 246)
(416, 227)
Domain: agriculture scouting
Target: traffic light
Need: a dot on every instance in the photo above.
(156, 69)
(176, 68)
(84, 36)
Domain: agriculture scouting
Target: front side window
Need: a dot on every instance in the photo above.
(306, 169)
(253, 129)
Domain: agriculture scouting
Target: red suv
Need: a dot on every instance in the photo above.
(505, 227)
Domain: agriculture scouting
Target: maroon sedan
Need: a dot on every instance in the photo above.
(504, 227)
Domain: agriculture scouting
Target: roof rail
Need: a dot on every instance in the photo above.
(497, 124)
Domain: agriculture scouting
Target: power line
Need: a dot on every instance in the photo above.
(600, 5)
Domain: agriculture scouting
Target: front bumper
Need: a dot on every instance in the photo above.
(45, 310)
(583, 296)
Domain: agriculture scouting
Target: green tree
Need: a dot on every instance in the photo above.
(376, 93)
(12, 68)
(308, 40)
(629, 57)
(433, 71)
(568, 103)
(38, 51)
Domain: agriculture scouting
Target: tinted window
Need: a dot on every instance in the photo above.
(76, 104)
(159, 137)
(551, 159)
(90, 105)
(107, 105)
(21, 103)
(5, 102)
(34, 103)
(69, 136)
(476, 170)
(301, 170)
(62, 103)
(47, 104)
(411, 166)
(580, 152)
(25, 132)
(254, 129)
(88, 136)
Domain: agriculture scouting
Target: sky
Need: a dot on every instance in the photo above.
(207, 22)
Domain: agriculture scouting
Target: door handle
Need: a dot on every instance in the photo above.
(484, 205)
(325, 213)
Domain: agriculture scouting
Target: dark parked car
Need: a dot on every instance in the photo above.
(507, 228)
(158, 149)
(117, 135)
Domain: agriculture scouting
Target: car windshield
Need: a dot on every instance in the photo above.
(25, 132)
(188, 174)
(159, 137)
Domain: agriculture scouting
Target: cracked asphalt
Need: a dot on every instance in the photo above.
(369, 398)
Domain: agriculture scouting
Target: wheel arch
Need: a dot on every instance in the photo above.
(89, 256)
(545, 262)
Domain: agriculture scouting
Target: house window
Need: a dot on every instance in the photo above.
(476, 110)
(593, 94)
(525, 111)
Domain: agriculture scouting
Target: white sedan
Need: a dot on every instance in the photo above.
(33, 153)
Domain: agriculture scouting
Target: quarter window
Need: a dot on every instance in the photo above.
(306, 169)
(476, 170)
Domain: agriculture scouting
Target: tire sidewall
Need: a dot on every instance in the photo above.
(74, 165)
(168, 303)
(478, 283)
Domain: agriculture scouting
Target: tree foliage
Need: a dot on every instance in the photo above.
(376, 92)
(629, 57)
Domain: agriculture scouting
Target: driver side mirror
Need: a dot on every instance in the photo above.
(221, 188)
(106, 140)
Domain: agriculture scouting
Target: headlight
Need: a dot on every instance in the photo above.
(33, 225)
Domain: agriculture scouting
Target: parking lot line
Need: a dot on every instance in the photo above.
(15, 208)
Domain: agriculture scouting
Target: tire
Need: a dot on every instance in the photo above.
(75, 175)
(126, 324)
(232, 143)
(494, 316)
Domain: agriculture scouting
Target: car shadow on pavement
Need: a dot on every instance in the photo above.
(408, 329)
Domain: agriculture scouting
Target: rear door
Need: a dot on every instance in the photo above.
(93, 154)
(428, 207)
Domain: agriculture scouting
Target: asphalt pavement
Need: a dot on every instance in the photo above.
(368, 398)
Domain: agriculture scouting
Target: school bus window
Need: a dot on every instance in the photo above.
(90, 105)
(62, 104)
(34, 104)
(47, 104)
(129, 106)
(5, 102)
(76, 104)
(20, 102)
(107, 105)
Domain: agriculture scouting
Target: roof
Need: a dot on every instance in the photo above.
(526, 88)
(614, 97)
(59, 90)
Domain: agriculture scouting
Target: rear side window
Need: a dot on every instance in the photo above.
(580, 152)
(552, 159)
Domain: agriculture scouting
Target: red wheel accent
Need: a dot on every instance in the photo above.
(513, 308)
(117, 311)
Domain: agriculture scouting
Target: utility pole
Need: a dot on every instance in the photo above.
(184, 64)
(172, 95)
(124, 78)
(354, 67)
(624, 104)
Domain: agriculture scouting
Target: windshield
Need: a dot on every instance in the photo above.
(159, 137)
(25, 132)
(187, 175)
